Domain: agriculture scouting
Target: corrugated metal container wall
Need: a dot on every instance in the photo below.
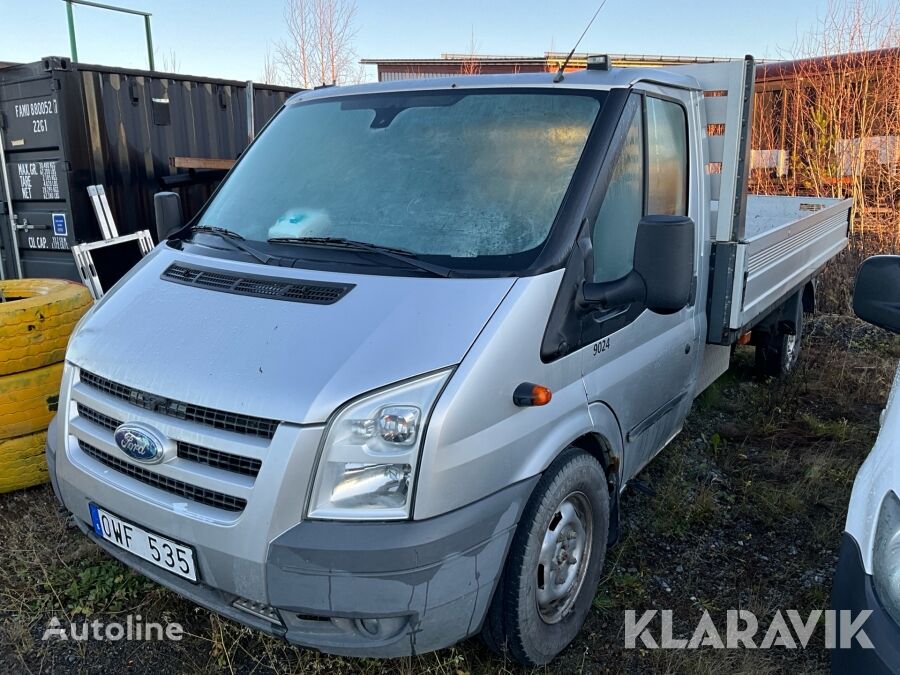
(66, 126)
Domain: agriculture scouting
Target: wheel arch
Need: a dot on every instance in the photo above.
(604, 442)
(600, 448)
(785, 317)
(598, 434)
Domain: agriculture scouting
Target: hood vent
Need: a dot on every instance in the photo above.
(312, 292)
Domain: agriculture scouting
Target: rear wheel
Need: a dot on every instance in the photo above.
(554, 562)
(777, 352)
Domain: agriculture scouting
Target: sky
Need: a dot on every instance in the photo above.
(229, 38)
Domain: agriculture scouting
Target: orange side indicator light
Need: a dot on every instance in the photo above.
(745, 338)
(530, 394)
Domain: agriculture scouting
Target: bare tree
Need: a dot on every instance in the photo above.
(269, 73)
(319, 46)
(844, 105)
(829, 125)
(471, 64)
(168, 61)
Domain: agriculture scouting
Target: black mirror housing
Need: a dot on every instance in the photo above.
(167, 209)
(664, 257)
(663, 273)
(876, 295)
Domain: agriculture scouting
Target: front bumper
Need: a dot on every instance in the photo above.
(853, 590)
(383, 589)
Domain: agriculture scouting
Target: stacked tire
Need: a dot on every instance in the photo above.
(36, 318)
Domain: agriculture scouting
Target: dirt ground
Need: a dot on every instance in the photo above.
(748, 506)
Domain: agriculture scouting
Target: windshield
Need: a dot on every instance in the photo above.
(467, 175)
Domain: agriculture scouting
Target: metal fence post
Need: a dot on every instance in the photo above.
(149, 40)
(251, 112)
(72, 47)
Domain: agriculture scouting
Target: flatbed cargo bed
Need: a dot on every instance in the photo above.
(787, 241)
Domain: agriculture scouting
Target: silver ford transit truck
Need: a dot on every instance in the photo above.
(384, 392)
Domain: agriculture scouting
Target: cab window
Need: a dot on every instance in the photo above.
(649, 177)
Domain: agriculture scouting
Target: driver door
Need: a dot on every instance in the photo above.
(641, 364)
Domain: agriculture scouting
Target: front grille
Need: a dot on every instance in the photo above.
(98, 418)
(247, 466)
(313, 292)
(175, 487)
(226, 461)
(218, 419)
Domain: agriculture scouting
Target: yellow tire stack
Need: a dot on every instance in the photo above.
(36, 318)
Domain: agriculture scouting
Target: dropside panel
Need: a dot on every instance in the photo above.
(791, 240)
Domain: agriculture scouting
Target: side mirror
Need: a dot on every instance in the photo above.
(167, 208)
(663, 271)
(876, 297)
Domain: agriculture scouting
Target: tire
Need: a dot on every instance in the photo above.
(777, 353)
(22, 462)
(35, 327)
(29, 400)
(524, 619)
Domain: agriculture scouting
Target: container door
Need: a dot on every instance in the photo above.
(32, 109)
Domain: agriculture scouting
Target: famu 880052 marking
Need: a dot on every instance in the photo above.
(37, 108)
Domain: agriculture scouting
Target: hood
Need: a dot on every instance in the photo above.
(290, 361)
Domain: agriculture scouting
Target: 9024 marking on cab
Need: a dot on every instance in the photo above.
(601, 346)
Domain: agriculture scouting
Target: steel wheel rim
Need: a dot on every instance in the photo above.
(564, 557)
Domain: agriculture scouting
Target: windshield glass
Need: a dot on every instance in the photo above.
(461, 175)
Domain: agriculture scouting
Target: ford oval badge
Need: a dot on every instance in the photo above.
(140, 442)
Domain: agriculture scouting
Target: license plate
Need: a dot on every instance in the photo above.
(162, 552)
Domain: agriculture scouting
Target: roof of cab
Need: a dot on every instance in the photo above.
(579, 79)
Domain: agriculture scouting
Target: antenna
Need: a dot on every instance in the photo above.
(559, 73)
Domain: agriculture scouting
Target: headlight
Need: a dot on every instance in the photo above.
(886, 556)
(368, 461)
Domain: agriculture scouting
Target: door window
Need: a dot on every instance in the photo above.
(653, 166)
(616, 226)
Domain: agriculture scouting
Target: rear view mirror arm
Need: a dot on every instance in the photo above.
(630, 288)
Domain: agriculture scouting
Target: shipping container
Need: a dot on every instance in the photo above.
(68, 125)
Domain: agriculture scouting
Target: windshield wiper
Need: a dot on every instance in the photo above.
(404, 256)
(234, 240)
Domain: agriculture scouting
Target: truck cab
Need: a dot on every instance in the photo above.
(383, 392)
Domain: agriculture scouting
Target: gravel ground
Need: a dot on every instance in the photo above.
(746, 511)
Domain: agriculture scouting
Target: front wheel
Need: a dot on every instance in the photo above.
(554, 562)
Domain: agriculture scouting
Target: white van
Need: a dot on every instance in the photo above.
(383, 393)
(868, 571)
